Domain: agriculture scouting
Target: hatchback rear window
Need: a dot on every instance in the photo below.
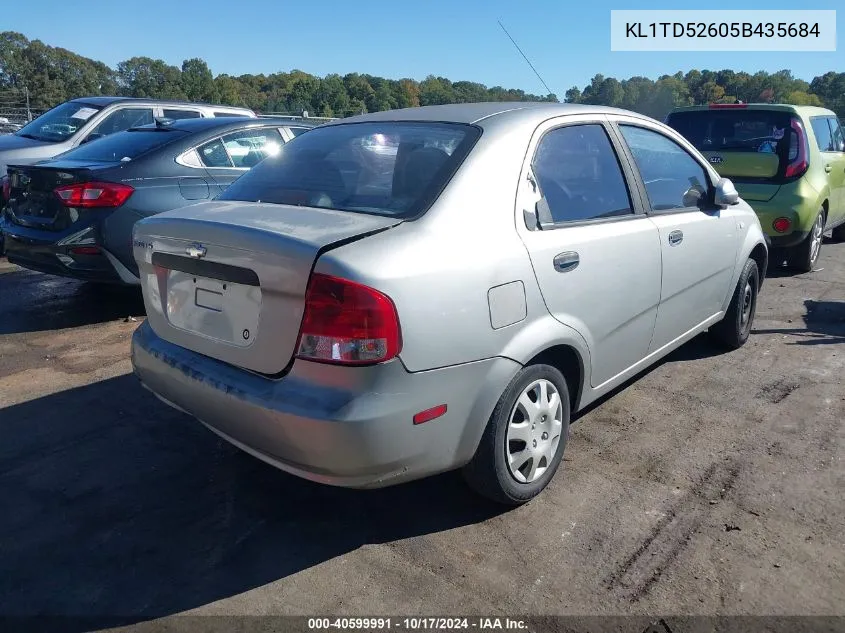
(732, 129)
(124, 146)
(386, 168)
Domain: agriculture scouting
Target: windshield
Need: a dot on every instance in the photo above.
(733, 129)
(123, 146)
(60, 123)
(386, 168)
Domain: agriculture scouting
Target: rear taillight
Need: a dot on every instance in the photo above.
(798, 158)
(7, 187)
(347, 323)
(94, 194)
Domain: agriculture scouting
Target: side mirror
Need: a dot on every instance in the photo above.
(726, 193)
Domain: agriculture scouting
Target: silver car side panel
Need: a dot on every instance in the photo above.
(439, 269)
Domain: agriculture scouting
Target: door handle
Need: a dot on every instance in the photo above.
(827, 168)
(676, 237)
(564, 262)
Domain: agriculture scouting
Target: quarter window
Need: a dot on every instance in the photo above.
(579, 174)
(673, 178)
(824, 137)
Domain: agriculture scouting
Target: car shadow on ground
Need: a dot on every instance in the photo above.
(824, 324)
(34, 302)
(120, 509)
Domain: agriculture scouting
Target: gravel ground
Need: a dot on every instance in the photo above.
(712, 484)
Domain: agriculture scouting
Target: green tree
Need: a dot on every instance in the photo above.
(198, 82)
(147, 77)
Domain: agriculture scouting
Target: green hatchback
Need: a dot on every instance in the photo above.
(787, 162)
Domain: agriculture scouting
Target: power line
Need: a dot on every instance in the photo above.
(548, 90)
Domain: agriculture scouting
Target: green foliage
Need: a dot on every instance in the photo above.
(53, 75)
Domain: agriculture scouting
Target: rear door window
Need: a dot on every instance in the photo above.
(579, 174)
(673, 178)
(836, 132)
(823, 133)
(249, 147)
(181, 114)
(214, 154)
(386, 168)
(123, 119)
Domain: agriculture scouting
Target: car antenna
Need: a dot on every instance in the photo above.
(545, 85)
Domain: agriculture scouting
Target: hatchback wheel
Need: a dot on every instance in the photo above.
(804, 256)
(525, 437)
(733, 330)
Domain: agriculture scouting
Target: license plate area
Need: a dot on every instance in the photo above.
(223, 311)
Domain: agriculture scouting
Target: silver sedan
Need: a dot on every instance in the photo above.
(409, 292)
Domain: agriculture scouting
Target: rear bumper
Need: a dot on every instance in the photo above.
(336, 425)
(43, 252)
(789, 240)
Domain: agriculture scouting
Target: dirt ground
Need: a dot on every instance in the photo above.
(712, 484)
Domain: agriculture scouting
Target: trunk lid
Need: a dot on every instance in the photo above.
(742, 167)
(227, 279)
(33, 203)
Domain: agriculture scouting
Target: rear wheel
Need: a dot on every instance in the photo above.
(525, 437)
(734, 328)
(803, 257)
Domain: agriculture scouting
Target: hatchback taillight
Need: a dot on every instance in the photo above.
(347, 323)
(94, 194)
(799, 153)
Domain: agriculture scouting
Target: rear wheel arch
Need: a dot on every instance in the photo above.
(568, 361)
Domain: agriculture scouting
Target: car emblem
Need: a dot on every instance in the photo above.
(196, 250)
(716, 159)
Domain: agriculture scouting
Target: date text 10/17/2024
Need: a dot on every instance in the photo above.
(418, 624)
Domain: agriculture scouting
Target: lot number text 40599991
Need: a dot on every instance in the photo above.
(417, 624)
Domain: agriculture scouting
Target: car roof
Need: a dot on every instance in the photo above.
(105, 101)
(777, 107)
(516, 111)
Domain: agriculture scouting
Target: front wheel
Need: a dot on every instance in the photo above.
(734, 328)
(525, 437)
(803, 257)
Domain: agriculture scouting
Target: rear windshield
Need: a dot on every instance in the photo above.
(123, 146)
(386, 168)
(733, 130)
(60, 123)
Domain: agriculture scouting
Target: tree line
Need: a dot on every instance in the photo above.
(52, 75)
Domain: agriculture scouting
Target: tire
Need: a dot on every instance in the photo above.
(839, 233)
(733, 330)
(803, 257)
(546, 432)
